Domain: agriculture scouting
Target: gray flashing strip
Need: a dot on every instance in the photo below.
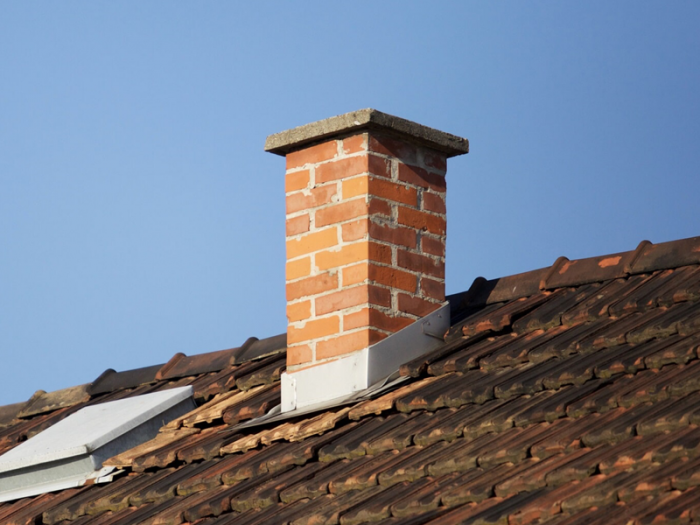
(275, 414)
(332, 381)
(365, 119)
(346, 381)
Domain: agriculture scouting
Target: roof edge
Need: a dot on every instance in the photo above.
(646, 258)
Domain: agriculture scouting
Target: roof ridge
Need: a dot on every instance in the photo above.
(178, 366)
(646, 258)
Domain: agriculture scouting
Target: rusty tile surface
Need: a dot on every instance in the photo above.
(48, 402)
(255, 348)
(668, 255)
(513, 287)
(8, 414)
(549, 314)
(569, 396)
(184, 366)
(504, 316)
(589, 270)
(110, 380)
(685, 286)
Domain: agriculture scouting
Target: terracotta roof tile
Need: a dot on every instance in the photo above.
(8, 414)
(671, 254)
(182, 366)
(111, 380)
(149, 449)
(255, 348)
(590, 270)
(569, 395)
(44, 402)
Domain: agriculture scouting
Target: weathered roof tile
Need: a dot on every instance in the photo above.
(182, 366)
(671, 254)
(111, 380)
(568, 395)
(48, 402)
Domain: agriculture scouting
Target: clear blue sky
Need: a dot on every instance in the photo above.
(140, 216)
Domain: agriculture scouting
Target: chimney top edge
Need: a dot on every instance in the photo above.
(365, 119)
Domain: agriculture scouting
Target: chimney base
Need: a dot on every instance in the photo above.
(331, 382)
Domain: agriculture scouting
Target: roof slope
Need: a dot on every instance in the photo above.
(567, 395)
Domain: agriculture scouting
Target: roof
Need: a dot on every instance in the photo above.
(567, 395)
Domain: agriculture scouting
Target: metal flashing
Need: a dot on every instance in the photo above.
(340, 379)
(72, 451)
(275, 413)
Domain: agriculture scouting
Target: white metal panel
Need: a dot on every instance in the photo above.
(324, 382)
(327, 383)
(90, 428)
(417, 339)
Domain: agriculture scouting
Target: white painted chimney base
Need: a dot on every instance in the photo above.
(343, 377)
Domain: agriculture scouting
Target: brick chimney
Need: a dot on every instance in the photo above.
(365, 197)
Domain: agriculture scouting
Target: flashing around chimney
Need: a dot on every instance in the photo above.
(330, 383)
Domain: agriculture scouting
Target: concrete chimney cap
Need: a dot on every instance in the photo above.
(365, 119)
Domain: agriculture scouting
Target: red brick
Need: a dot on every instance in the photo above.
(432, 288)
(312, 155)
(298, 201)
(379, 296)
(298, 311)
(341, 168)
(379, 166)
(393, 148)
(422, 178)
(415, 305)
(355, 187)
(422, 220)
(433, 202)
(299, 354)
(298, 268)
(435, 160)
(395, 235)
(347, 343)
(312, 242)
(393, 192)
(352, 253)
(393, 278)
(432, 246)
(324, 282)
(388, 323)
(355, 296)
(369, 317)
(297, 225)
(358, 319)
(345, 298)
(313, 329)
(368, 185)
(341, 212)
(355, 230)
(355, 274)
(355, 144)
(295, 181)
(421, 264)
(379, 207)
